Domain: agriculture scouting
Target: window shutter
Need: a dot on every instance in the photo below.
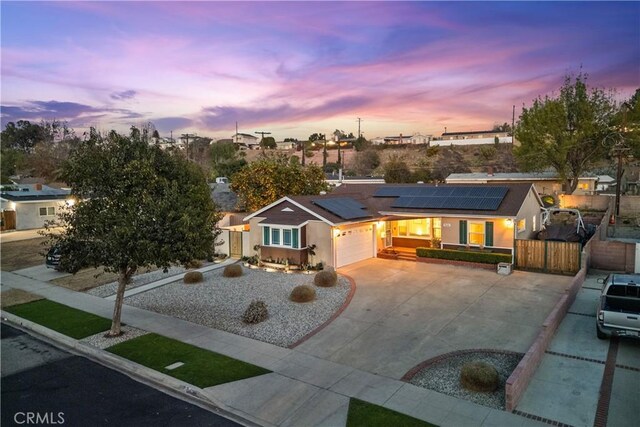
(488, 233)
(266, 235)
(463, 231)
(294, 238)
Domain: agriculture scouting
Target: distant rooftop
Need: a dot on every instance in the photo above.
(503, 176)
(33, 192)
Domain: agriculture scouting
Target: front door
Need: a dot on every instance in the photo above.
(235, 244)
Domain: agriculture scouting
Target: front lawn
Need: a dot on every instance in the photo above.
(69, 321)
(202, 368)
(364, 414)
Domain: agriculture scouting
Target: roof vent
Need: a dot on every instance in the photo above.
(420, 182)
(322, 193)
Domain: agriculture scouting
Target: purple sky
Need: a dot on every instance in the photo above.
(299, 68)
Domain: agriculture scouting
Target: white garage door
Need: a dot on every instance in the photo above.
(354, 244)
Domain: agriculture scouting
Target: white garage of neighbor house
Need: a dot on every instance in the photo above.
(355, 222)
(30, 206)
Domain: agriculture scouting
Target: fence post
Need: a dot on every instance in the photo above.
(545, 257)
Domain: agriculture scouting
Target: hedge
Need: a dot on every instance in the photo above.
(455, 255)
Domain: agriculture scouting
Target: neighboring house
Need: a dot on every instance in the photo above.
(338, 179)
(31, 205)
(472, 138)
(289, 145)
(354, 222)
(605, 182)
(545, 182)
(479, 134)
(416, 138)
(246, 140)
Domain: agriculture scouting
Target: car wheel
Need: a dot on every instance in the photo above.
(601, 335)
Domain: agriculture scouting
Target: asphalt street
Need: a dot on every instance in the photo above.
(42, 384)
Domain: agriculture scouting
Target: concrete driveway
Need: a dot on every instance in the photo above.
(406, 312)
(568, 385)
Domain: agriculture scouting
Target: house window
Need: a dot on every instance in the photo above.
(437, 228)
(534, 223)
(421, 228)
(583, 186)
(50, 211)
(282, 237)
(476, 233)
(275, 236)
(521, 225)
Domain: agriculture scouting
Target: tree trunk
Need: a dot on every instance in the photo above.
(123, 278)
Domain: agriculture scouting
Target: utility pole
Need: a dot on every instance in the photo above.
(620, 150)
(513, 123)
(263, 134)
(185, 137)
(359, 120)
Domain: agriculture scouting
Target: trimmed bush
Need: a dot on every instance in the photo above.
(454, 255)
(303, 293)
(326, 278)
(233, 270)
(479, 376)
(255, 313)
(193, 264)
(193, 277)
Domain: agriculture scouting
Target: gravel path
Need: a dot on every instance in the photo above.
(444, 377)
(137, 280)
(219, 303)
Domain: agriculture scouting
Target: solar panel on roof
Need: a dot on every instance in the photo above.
(344, 207)
(463, 198)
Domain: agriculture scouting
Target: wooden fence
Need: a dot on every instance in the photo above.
(548, 257)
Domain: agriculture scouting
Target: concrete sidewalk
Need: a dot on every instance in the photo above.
(302, 390)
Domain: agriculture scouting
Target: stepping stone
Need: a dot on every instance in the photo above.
(174, 366)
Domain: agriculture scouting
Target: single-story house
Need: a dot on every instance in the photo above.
(29, 206)
(337, 179)
(245, 139)
(546, 182)
(605, 182)
(354, 222)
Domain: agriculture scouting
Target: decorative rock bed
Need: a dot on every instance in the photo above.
(219, 302)
(442, 374)
(102, 342)
(136, 281)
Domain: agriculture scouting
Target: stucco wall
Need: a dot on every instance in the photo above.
(530, 209)
(28, 214)
(319, 234)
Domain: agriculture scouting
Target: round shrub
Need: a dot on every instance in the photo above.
(194, 263)
(256, 312)
(326, 278)
(303, 293)
(193, 277)
(479, 376)
(233, 270)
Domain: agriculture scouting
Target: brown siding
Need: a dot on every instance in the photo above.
(275, 215)
(303, 236)
(406, 242)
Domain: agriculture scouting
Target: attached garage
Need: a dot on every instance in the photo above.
(355, 244)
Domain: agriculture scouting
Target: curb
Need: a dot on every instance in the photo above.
(165, 383)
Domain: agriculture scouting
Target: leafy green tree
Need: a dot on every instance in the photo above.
(566, 133)
(137, 206)
(224, 159)
(270, 178)
(12, 160)
(396, 171)
(361, 144)
(268, 142)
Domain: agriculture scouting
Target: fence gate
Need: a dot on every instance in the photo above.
(8, 220)
(235, 244)
(548, 257)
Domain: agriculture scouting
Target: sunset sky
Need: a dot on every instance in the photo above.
(298, 68)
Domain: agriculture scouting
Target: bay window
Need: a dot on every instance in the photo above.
(284, 237)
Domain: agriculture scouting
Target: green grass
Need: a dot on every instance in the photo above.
(364, 414)
(69, 321)
(202, 368)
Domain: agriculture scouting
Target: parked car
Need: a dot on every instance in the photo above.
(619, 307)
(57, 259)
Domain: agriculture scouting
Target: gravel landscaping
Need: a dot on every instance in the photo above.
(137, 280)
(444, 376)
(219, 303)
(102, 342)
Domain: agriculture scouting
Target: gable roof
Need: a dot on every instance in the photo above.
(383, 206)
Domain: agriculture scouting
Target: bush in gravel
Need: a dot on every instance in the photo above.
(193, 264)
(233, 270)
(193, 277)
(326, 278)
(303, 293)
(479, 376)
(256, 312)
